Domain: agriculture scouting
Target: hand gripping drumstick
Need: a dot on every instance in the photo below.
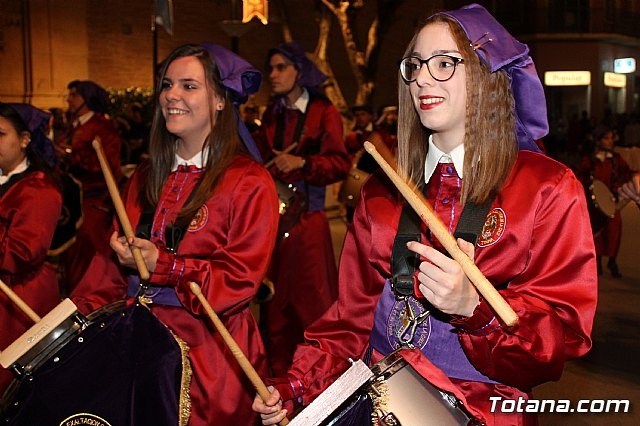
(422, 207)
(120, 210)
(246, 366)
(286, 151)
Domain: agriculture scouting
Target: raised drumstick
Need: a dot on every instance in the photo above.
(120, 210)
(244, 363)
(424, 210)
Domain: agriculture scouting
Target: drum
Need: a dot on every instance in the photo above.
(392, 394)
(292, 203)
(123, 367)
(350, 188)
(602, 205)
(402, 397)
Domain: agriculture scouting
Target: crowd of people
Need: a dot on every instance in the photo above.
(231, 199)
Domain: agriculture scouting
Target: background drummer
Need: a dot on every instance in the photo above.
(30, 205)
(88, 105)
(609, 167)
(471, 107)
(205, 211)
(363, 127)
(303, 268)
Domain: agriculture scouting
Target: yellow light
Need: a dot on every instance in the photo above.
(612, 79)
(567, 78)
(255, 9)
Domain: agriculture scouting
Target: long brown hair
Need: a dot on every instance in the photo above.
(223, 142)
(490, 141)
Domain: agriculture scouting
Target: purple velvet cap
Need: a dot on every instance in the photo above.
(308, 73)
(241, 79)
(236, 74)
(37, 122)
(501, 51)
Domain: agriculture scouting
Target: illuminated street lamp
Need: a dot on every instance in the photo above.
(255, 9)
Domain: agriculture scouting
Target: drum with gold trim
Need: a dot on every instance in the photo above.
(118, 366)
(391, 393)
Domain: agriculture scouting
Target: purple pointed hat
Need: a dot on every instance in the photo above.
(501, 51)
(308, 73)
(241, 79)
(37, 122)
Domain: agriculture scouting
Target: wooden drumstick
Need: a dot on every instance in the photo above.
(424, 210)
(19, 302)
(120, 210)
(286, 151)
(244, 363)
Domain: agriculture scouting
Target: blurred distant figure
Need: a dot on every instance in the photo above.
(388, 119)
(137, 134)
(363, 163)
(608, 167)
(88, 103)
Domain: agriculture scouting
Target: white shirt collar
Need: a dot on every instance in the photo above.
(24, 165)
(85, 117)
(197, 160)
(603, 155)
(435, 156)
(302, 102)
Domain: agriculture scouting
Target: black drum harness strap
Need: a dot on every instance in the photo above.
(404, 262)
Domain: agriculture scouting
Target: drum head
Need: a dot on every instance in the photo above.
(602, 198)
(124, 368)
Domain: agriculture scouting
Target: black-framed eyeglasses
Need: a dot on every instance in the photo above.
(441, 67)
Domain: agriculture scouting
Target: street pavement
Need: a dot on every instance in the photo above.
(611, 370)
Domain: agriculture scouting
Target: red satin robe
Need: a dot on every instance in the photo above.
(536, 248)
(226, 250)
(304, 269)
(93, 235)
(29, 212)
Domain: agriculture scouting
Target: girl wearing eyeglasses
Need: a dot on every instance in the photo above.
(471, 107)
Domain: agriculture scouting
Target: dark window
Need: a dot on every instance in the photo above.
(569, 16)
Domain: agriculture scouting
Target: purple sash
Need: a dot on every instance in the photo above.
(436, 339)
(157, 294)
(316, 195)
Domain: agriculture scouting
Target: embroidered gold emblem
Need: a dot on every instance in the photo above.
(493, 227)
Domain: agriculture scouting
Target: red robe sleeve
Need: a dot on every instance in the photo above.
(554, 297)
(27, 222)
